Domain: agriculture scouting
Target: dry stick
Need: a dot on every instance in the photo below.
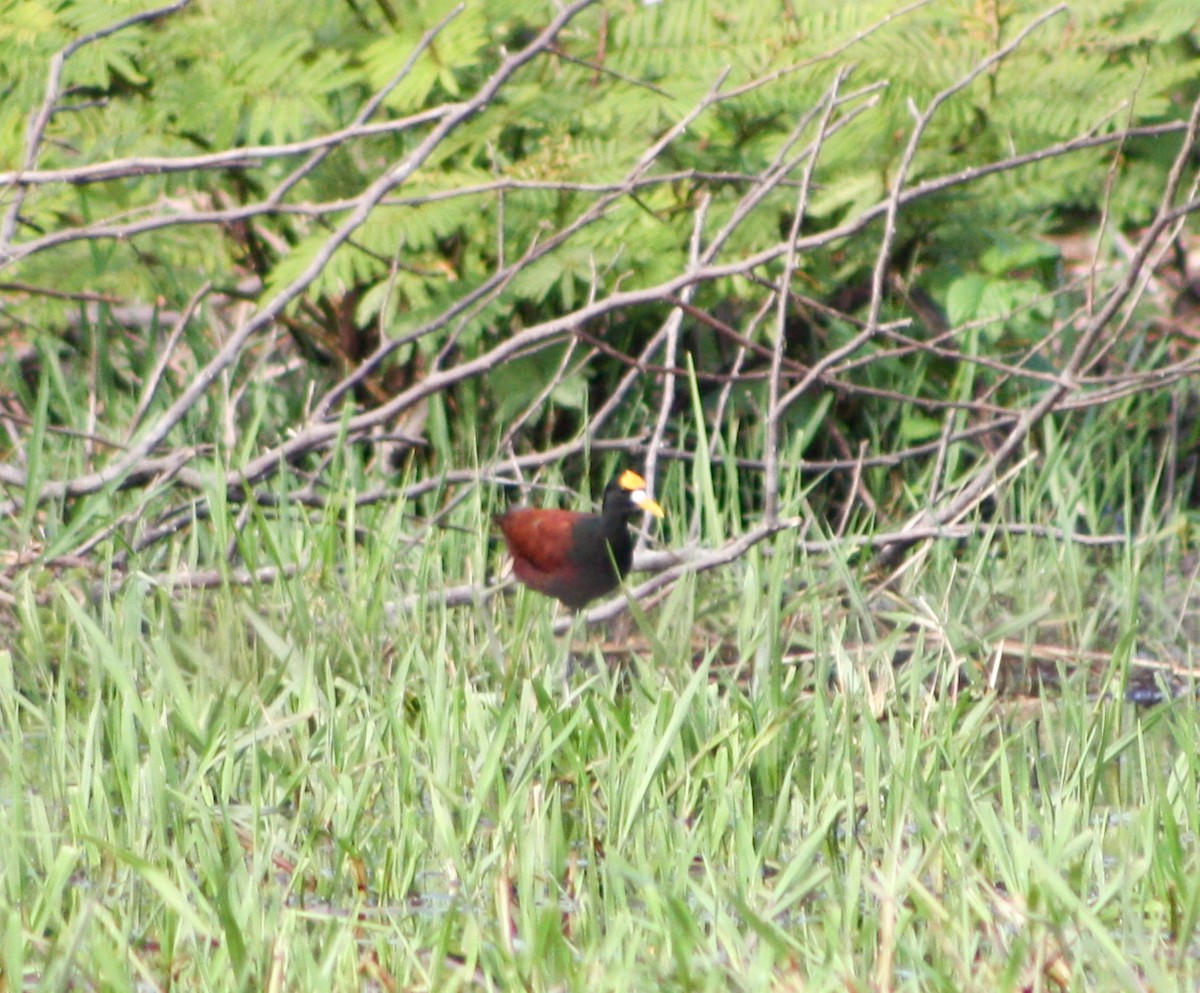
(467, 310)
(93, 393)
(731, 551)
(82, 296)
(671, 333)
(590, 436)
(1152, 262)
(1172, 449)
(941, 457)
(507, 184)
(144, 471)
(932, 346)
(542, 396)
(104, 231)
(160, 366)
(368, 110)
(1135, 383)
(774, 175)
(910, 564)
(792, 367)
(1005, 372)
(249, 156)
(238, 526)
(166, 525)
(1094, 265)
(91, 438)
(855, 487)
(718, 416)
(113, 229)
(230, 351)
(475, 304)
(170, 523)
(621, 300)
(36, 132)
(900, 195)
(599, 69)
(243, 157)
(780, 167)
(744, 340)
(982, 480)
(647, 368)
(501, 212)
(632, 178)
(1110, 180)
(207, 579)
(1162, 294)
(155, 488)
(883, 257)
(771, 480)
(669, 565)
(673, 565)
(503, 276)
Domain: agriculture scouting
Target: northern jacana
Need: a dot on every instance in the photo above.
(577, 557)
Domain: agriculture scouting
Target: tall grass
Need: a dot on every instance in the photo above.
(788, 779)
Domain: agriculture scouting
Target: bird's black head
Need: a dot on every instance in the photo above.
(627, 494)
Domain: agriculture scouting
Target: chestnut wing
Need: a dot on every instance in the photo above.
(543, 538)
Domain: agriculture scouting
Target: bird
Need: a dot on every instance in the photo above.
(573, 556)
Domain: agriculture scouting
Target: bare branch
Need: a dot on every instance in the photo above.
(1080, 355)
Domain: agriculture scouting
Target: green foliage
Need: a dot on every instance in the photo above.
(220, 75)
(329, 779)
(293, 785)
